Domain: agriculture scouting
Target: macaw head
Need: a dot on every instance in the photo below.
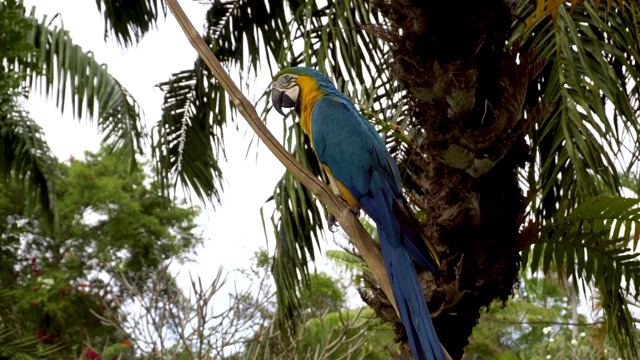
(285, 91)
(285, 88)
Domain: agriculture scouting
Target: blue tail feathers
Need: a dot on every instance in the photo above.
(409, 297)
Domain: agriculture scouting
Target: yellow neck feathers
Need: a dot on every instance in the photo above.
(309, 94)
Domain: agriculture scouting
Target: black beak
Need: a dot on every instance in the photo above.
(281, 100)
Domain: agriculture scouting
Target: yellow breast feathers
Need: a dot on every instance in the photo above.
(309, 93)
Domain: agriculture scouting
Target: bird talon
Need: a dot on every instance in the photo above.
(333, 223)
(354, 210)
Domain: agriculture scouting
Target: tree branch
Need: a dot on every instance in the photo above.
(357, 234)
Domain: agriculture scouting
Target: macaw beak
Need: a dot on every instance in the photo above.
(281, 100)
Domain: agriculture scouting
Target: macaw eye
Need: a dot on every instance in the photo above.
(286, 78)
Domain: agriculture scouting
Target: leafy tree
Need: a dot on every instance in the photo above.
(171, 325)
(330, 331)
(111, 220)
(478, 102)
(536, 323)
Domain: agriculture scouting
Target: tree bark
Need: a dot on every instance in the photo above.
(467, 92)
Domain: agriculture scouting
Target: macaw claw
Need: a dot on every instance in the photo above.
(333, 222)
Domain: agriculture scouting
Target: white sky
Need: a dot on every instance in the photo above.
(233, 232)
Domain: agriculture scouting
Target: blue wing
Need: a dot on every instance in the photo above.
(355, 153)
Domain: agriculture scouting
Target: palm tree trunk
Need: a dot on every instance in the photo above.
(467, 93)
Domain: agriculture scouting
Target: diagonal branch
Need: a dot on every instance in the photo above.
(357, 234)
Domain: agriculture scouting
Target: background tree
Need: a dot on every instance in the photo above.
(537, 323)
(172, 325)
(331, 330)
(475, 100)
(111, 221)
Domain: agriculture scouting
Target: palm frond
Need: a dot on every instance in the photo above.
(620, 324)
(297, 221)
(237, 30)
(592, 243)
(129, 20)
(14, 344)
(22, 348)
(59, 66)
(188, 138)
(348, 261)
(591, 79)
(344, 45)
(338, 38)
(27, 161)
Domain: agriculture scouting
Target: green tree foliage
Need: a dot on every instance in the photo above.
(111, 219)
(536, 323)
(330, 331)
(168, 324)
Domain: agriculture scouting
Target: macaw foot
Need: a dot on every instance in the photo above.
(333, 222)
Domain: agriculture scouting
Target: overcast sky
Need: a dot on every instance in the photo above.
(233, 232)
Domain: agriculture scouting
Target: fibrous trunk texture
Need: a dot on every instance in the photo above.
(467, 91)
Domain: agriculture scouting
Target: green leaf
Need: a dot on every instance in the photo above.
(595, 232)
(59, 66)
(129, 20)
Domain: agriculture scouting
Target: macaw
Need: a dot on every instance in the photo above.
(356, 159)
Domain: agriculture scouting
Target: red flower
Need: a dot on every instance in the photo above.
(34, 303)
(40, 334)
(33, 261)
(126, 343)
(35, 288)
(62, 292)
(91, 354)
(35, 271)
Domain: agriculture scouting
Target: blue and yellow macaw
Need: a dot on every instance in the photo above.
(356, 159)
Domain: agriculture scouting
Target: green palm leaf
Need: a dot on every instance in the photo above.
(590, 79)
(27, 161)
(129, 20)
(25, 158)
(188, 138)
(298, 223)
(14, 344)
(36, 54)
(58, 66)
(592, 243)
(342, 47)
